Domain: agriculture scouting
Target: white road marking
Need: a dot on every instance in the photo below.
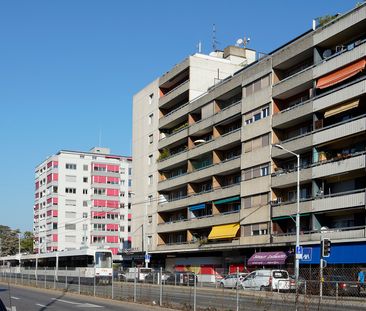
(40, 305)
(16, 298)
(78, 304)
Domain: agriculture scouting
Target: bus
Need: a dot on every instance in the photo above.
(83, 264)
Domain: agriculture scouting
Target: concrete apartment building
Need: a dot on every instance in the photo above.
(216, 190)
(82, 200)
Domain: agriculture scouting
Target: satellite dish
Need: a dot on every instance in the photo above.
(327, 53)
(239, 42)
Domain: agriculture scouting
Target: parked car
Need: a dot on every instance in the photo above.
(185, 278)
(334, 283)
(153, 277)
(301, 284)
(267, 280)
(231, 280)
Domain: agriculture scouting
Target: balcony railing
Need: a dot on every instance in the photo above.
(322, 129)
(324, 230)
(316, 197)
(197, 218)
(195, 194)
(201, 120)
(175, 88)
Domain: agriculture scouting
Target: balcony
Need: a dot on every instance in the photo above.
(199, 222)
(255, 240)
(174, 115)
(179, 246)
(341, 94)
(287, 117)
(178, 91)
(172, 138)
(216, 194)
(339, 130)
(293, 84)
(173, 160)
(224, 114)
(342, 165)
(219, 142)
(341, 200)
(296, 144)
(339, 60)
(290, 208)
(282, 179)
(335, 234)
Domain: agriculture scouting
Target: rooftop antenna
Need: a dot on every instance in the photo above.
(243, 42)
(199, 47)
(214, 40)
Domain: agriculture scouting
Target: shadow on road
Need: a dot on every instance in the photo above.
(53, 301)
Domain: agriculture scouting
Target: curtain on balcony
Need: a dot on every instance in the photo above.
(340, 108)
(224, 231)
(341, 74)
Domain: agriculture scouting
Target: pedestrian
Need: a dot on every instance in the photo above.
(361, 278)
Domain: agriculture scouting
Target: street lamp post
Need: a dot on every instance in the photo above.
(297, 259)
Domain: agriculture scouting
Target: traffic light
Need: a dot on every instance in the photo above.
(325, 247)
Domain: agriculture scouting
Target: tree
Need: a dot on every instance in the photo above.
(8, 241)
(26, 242)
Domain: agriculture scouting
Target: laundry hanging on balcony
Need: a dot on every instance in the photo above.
(224, 231)
(341, 74)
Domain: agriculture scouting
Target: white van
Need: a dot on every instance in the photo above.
(138, 273)
(267, 280)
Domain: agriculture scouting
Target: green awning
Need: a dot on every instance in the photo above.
(228, 200)
(289, 216)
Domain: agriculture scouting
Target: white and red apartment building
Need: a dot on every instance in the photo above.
(82, 200)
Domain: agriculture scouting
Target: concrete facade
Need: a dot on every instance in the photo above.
(217, 164)
(82, 200)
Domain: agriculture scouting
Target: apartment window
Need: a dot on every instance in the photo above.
(85, 215)
(264, 170)
(99, 227)
(257, 85)
(256, 200)
(122, 228)
(150, 198)
(256, 115)
(70, 166)
(70, 226)
(129, 182)
(151, 118)
(85, 227)
(151, 97)
(70, 178)
(150, 159)
(85, 167)
(129, 229)
(85, 203)
(85, 191)
(70, 202)
(70, 214)
(85, 179)
(99, 191)
(54, 225)
(129, 171)
(70, 190)
(122, 217)
(149, 218)
(150, 180)
(151, 138)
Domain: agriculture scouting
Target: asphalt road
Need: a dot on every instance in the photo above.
(32, 299)
(174, 297)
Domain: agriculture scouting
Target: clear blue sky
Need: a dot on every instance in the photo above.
(69, 69)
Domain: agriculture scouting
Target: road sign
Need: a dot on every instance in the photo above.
(147, 258)
(299, 252)
(307, 254)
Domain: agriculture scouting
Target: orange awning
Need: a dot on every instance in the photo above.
(341, 108)
(341, 74)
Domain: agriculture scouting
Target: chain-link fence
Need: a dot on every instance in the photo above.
(338, 290)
